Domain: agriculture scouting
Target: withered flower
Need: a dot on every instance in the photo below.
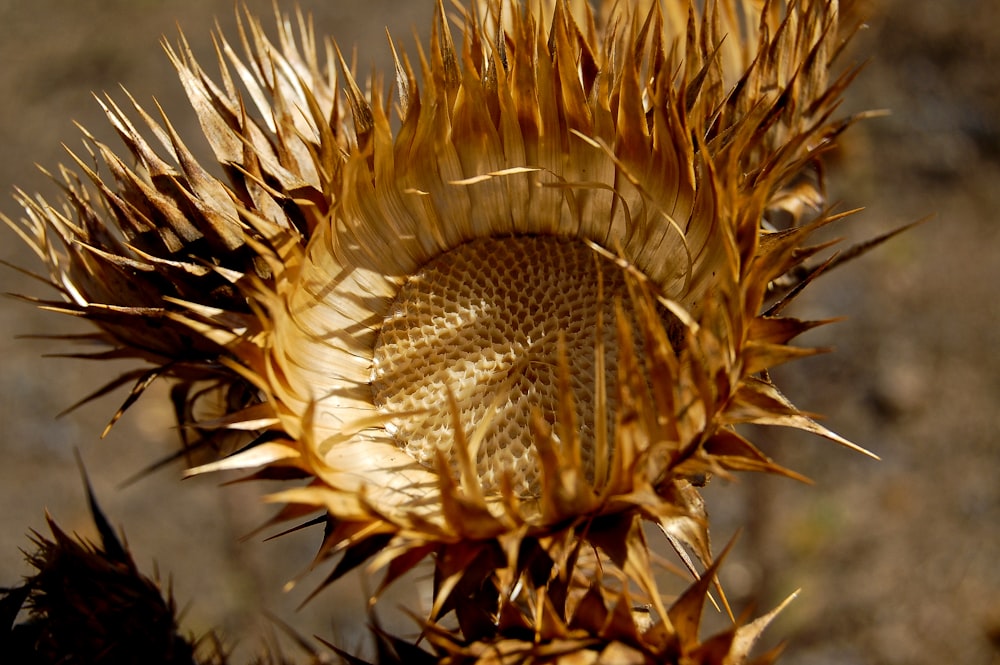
(501, 318)
(88, 602)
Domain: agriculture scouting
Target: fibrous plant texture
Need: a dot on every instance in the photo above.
(499, 315)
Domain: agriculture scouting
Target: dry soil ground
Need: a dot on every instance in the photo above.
(898, 559)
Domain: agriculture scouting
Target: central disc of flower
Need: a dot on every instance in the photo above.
(484, 320)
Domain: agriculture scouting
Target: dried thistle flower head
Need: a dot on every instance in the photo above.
(509, 314)
(90, 603)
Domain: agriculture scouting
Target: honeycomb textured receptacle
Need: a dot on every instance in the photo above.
(484, 320)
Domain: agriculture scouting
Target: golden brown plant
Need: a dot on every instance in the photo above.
(500, 318)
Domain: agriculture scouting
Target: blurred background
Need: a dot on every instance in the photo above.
(897, 559)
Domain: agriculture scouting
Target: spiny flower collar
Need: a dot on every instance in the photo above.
(520, 308)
